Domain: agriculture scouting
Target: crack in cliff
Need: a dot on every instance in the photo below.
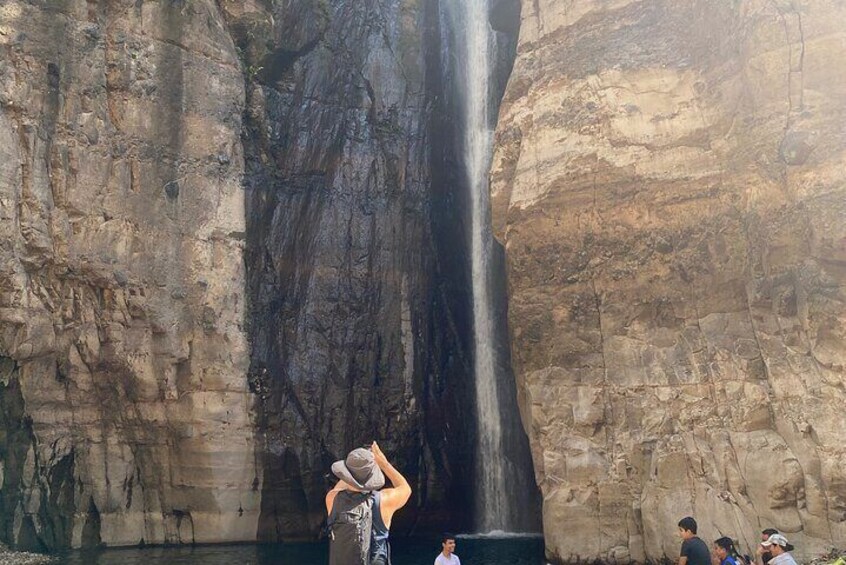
(741, 469)
(791, 66)
(767, 370)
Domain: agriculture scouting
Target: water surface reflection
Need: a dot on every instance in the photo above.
(406, 551)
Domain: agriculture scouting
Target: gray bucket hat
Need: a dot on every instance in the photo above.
(360, 470)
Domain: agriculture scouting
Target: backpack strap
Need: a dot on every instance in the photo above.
(333, 515)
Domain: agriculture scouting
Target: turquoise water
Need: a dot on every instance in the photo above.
(513, 551)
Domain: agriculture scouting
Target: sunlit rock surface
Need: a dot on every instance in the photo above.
(670, 186)
(125, 408)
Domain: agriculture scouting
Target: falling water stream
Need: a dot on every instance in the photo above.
(474, 46)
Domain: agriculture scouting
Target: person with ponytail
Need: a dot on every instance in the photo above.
(726, 553)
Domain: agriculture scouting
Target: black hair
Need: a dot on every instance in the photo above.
(688, 523)
(769, 531)
(446, 537)
(726, 543)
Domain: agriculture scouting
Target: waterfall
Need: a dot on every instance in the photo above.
(474, 50)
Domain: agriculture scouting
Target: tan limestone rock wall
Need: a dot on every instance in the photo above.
(122, 350)
(670, 185)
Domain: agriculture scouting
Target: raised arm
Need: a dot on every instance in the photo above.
(392, 498)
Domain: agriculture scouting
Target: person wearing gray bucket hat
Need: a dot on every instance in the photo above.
(360, 470)
(364, 471)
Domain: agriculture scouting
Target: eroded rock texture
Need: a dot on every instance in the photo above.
(125, 408)
(179, 176)
(670, 185)
(357, 305)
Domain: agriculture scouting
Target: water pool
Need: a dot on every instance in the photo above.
(406, 551)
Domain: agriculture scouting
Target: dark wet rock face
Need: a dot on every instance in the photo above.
(16, 440)
(357, 298)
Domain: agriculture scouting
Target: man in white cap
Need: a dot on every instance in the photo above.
(778, 545)
(364, 470)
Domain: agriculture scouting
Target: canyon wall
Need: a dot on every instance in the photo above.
(670, 187)
(233, 248)
(357, 310)
(125, 409)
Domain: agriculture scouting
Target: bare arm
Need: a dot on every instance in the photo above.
(392, 498)
(683, 560)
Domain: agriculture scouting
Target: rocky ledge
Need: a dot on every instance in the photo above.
(8, 557)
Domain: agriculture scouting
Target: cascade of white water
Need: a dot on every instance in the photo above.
(474, 39)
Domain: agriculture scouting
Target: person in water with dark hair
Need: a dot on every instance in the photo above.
(693, 550)
(447, 555)
(727, 554)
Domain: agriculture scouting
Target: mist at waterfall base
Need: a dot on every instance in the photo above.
(505, 491)
(405, 551)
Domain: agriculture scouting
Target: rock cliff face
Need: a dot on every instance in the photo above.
(355, 335)
(181, 178)
(670, 186)
(125, 411)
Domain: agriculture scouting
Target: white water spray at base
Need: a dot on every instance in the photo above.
(474, 39)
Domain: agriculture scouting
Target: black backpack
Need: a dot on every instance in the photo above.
(349, 528)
